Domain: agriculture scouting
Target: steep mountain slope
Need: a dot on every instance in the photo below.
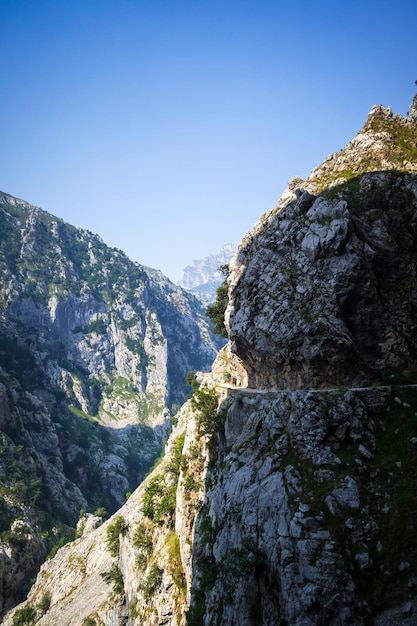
(291, 497)
(203, 276)
(94, 351)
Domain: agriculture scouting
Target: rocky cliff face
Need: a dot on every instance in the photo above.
(323, 292)
(107, 316)
(94, 351)
(306, 486)
(412, 113)
(291, 497)
(300, 511)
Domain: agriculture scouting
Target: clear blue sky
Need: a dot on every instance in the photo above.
(169, 127)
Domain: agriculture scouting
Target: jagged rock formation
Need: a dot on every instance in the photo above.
(323, 292)
(290, 498)
(107, 314)
(203, 276)
(94, 351)
(308, 499)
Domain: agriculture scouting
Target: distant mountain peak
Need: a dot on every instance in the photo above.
(203, 276)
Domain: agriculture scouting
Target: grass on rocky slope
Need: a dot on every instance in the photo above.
(399, 149)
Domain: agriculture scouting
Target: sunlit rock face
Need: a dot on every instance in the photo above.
(138, 574)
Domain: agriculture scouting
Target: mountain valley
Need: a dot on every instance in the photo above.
(94, 352)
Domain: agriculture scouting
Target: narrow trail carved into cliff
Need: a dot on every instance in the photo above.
(319, 390)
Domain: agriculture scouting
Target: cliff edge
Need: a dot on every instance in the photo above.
(323, 291)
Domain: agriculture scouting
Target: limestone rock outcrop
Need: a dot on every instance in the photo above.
(412, 113)
(292, 525)
(304, 519)
(323, 291)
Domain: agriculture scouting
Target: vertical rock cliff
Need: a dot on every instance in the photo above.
(310, 495)
(323, 292)
(309, 508)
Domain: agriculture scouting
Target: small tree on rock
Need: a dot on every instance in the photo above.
(215, 312)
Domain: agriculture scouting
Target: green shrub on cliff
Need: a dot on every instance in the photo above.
(215, 312)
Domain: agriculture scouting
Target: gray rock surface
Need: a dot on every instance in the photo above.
(322, 291)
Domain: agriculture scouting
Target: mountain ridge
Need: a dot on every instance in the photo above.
(94, 351)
